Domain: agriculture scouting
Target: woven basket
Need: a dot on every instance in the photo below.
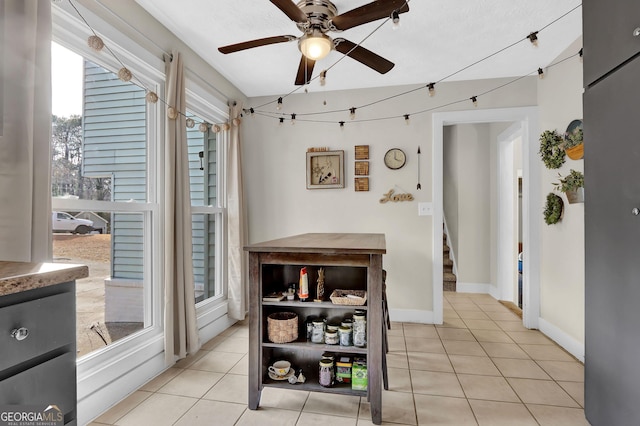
(338, 297)
(282, 327)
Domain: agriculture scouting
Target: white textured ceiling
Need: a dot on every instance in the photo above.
(434, 40)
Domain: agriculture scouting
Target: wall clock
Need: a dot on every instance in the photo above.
(395, 158)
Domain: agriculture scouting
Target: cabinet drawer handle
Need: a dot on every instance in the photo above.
(636, 32)
(20, 333)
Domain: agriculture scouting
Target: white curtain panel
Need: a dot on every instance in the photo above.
(181, 334)
(25, 130)
(236, 222)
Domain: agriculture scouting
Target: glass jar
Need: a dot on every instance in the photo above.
(345, 336)
(347, 322)
(317, 334)
(309, 327)
(359, 330)
(326, 375)
(331, 337)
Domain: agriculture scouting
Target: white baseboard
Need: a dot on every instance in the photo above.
(411, 315)
(481, 288)
(569, 343)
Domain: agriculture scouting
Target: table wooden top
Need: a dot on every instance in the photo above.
(329, 243)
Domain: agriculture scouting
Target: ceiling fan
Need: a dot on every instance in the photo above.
(315, 18)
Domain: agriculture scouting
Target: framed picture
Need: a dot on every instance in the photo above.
(325, 170)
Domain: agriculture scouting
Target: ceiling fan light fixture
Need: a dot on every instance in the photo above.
(315, 45)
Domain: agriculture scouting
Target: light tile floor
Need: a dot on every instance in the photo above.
(481, 367)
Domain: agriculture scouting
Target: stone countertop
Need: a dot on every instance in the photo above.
(21, 276)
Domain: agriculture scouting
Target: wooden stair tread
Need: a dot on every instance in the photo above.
(448, 276)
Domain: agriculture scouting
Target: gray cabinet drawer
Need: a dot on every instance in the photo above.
(52, 382)
(51, 324)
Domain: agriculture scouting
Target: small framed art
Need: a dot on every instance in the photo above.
(325, 170)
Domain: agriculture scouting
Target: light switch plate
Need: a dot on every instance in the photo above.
(425, 209)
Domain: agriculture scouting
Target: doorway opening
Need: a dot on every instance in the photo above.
(505, 288)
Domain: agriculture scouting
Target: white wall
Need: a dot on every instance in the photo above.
(280, 205)
(562, 271)
(467, 202)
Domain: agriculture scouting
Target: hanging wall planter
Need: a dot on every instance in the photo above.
(575, 196)
(551, 149)
(572, 185)
(553, 209)
(573, 140)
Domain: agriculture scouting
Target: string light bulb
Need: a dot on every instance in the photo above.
(203, 127)
(432, 89)
(252, 111)
(406, 119)
(341, 125)
(225, 126)
(236, 122)
(281, 121)
(580, 54)
(279, 106)
(474, 99)
(151, 97)
(395, 18)
(172, 113)
(293, 119)
(190, 123)
(533, 38)
(323, 77)
(216, 128)
(95, 43)
(352, 113)
(124, 74)
(540, 73)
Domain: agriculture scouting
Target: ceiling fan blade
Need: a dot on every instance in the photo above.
(255, 43)
(291, 10)
(363, 55)
(305, 70)
(369, 12)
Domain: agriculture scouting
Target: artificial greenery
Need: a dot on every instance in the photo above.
(573, 139)
(553, 209)
(570, 182)
(551, 149)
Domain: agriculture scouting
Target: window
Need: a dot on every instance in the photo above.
(105, 208)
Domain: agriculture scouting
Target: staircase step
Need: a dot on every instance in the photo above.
(447, 261)
(445, 249)
(448, 276)
(447, 269)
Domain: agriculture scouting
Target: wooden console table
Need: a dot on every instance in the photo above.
(350, 262)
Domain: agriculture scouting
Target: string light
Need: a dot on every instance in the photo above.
(124, 74)
(172, 113)
(95, 43)
(323, 77)
(190, 123)
(395, 18)
(474, 99)
(279, 106)
(215, 128)
(252, 111)
(432, 89)
(151, 97)
(352, 113)
(203, 127)
(293, 119)
(225, 127)
(540, 73)
(406, 119)
(580, 53)
(533, 38)
(341, 125)
(236, 122)
(281, 121)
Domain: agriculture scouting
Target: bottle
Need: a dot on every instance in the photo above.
(359, 330)
(303, 289)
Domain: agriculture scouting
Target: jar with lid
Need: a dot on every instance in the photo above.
(326, 376)
(359, 329)
(331, 337)
(347, 322)
(317, 334)
(345, 336)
